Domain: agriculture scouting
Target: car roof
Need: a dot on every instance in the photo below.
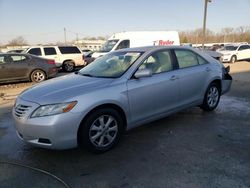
(152, 48)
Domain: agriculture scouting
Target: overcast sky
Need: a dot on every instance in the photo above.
(42, 21)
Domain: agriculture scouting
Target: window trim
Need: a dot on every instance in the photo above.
(172, 58)
(47, 48)
(196, 55)
(33, 49)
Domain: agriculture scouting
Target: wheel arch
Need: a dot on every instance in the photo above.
(102, 106)
(67, 60)
(218, 82)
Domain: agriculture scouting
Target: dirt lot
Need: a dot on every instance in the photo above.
(188, 149)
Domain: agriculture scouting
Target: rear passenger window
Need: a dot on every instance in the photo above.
(201, 60)
(69, 50)
(35, 51)
(17, 58)
(49, 51)
(186, 58)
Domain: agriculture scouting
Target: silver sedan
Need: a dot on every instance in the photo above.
(117, 92)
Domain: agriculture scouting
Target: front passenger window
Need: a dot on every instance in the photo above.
(2, 60)
(158, 62)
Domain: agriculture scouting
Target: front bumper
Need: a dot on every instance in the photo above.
(225, 58)
(53, 132)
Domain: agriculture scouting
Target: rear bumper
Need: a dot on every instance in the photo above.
(226, 83)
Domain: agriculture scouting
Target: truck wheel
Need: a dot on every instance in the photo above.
(211, 98)
(101, 130)
(233, 59)
(37, 76)
(68, 66)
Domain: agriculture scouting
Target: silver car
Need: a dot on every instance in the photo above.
(117, 92)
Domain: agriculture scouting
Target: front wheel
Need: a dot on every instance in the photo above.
(101, 130)
(211, 98)
(233, 59)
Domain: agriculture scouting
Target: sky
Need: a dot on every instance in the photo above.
(43, 21)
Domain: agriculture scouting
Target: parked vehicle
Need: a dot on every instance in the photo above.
(18, 66)
(16, 51)
(117, 92)
(233, 53)
(67, 57)
(133, 39)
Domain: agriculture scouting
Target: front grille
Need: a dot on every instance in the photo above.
(21, 110)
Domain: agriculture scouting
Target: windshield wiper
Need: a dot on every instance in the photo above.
(85, 74)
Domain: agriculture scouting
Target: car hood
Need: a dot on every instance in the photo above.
(226, 52)
(63, 88)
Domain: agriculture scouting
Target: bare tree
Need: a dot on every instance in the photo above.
(18, 41)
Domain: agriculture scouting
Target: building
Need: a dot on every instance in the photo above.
(93, 45)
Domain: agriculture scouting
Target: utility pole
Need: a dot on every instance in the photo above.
(76, 38)
(65, 41)
(204, 23)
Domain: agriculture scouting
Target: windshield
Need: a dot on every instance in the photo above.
(112, 65)
(230, 48)
(108, 46)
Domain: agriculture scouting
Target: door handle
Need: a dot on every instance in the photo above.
(174, 77)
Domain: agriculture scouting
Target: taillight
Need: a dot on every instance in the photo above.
(51, 61)
(83, 57)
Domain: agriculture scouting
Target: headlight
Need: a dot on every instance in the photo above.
(53, 109)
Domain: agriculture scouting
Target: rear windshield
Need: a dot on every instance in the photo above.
(230, 48)
(69, 50)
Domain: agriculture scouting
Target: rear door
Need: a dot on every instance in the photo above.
(193, 76)
(19, 66)
(50, 53)
(152, 96)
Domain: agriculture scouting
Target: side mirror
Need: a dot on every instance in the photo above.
(143, 73)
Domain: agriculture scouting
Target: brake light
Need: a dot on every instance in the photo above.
(83, 57)
(51, 61)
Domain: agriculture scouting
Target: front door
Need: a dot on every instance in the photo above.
(153, 96)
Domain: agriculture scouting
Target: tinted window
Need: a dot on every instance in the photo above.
(35, 51)
(186, 58)
(69, 50)
(244, 47)
(158, 62)
(50, 51)
(123, 44)
(17, 58)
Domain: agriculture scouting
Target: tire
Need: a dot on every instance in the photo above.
(101, 130)
(233, 59)
(211, 98)
(68, 66)
(38, 76)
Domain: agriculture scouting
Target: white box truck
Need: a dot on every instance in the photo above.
(132, 39)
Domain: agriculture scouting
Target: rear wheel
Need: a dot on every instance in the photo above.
(101, 130)
(37, 76)
(211, 98)
(233, 59)
(68, 66)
